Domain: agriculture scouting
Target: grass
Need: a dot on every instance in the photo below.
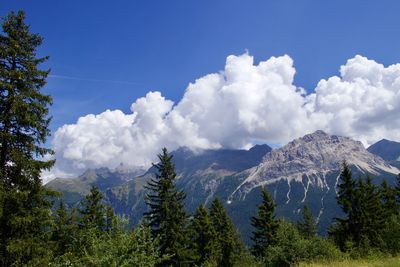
(379, 262)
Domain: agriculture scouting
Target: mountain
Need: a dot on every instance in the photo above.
(188, 163)
(75, 189)
(305, 171)
(388, 150)
(199, 174)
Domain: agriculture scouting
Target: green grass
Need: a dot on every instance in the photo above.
(379, 262)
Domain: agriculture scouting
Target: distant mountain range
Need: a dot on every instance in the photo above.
(388, 150)
(305, 171)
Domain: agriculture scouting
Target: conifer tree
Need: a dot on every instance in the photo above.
(166, 216)
(24, 121)
(388, 197)
(229, 241)
(397, 188)
(65, 229)
(265, 225)
(93, 210)
(205, 241)
(345, 228)
(109, 218)
(370, 214)
(307, 227)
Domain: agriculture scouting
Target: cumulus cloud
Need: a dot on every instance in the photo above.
(233, 108)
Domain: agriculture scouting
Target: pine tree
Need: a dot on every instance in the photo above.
(93, 210)
(24, 121)
(65, 229)
(229, 241)
(265, 225)
(109, 218)
(345, 228)
(205, 241)
(397, 188)
(166, 216)
(388, 198)
(370, 214)
(308, 227)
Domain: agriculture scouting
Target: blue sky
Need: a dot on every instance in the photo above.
(116, 51)
(111, 54)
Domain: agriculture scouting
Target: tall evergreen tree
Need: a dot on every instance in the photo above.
(229, 241)
(345, 228)
(370, 214)
(308, 226)
(93, 210)
(24, 128)
(65, 229)
(388, 197)
(166, 216)
(397, 188)
(265, 225)
(205, 241)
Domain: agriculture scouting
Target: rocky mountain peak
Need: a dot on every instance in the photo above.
(313, 155)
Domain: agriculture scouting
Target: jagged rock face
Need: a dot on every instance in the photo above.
(312, 155)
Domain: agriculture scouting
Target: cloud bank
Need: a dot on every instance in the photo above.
(244, 103)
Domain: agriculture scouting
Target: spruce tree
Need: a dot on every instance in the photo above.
(93, 210)
(65, 229)
(109, 218)
(205, 242)
(397, 188)
(370, 214)
(308, 226)
(24, 121)
(265, 225)
(345, 228)
(229, 241)
(388, 197)
(166, 216)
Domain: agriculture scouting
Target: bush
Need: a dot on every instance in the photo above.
(291, 248)
(115, 248)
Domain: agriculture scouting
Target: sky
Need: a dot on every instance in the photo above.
(129, 77)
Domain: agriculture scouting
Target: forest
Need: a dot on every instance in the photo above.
(38, 230)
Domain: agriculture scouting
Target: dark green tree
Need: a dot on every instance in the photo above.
(65, 229)
(166, 216)
(308, 226)
(370, 214)
(93, 210)
(24, 121)
(397, 188)
(228, 238)
(265, 225)
(388, 197)
(109, 218)
(345, 228)
(205, 242)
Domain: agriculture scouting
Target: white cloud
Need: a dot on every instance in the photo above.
(232, 108)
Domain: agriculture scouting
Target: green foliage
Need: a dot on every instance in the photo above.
(290, 248)
(204, 238)
(391, 234)
(265, 225)
(116, 248)
(65, 229)
(166, 216)
(25, 209)
(307, 227)
(365, 213)
(388, 198)
(228, 238)
(93, 210)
